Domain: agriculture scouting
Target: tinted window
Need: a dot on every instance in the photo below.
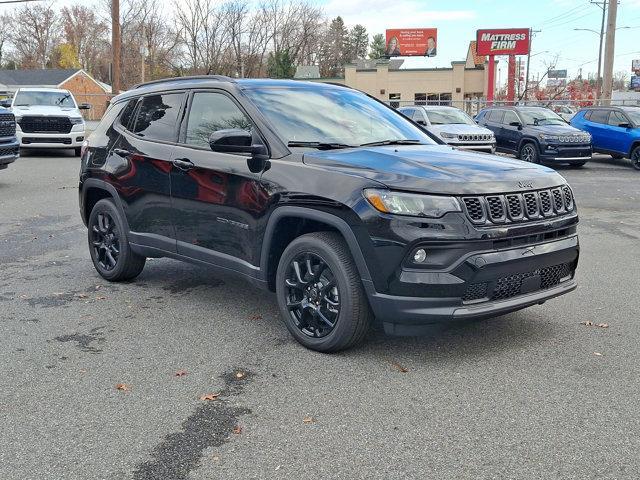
(127, 114)
(599, 116)
(211, 112)
(510, 116)
(616, 118)
(587, 114)
(157, 116)
(98, 135)
(495, 116)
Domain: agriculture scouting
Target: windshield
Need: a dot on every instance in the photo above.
(634, 115)
(51, 99)
(541, 116)
(448, 116)
(332, 116)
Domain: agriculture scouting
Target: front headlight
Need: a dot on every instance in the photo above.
(549, 138)
(412, 204)
(76, 120)
(448, 135)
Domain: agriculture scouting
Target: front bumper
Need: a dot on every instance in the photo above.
(72, 139)
(565, 153)
(481, 285)
(9, 152)
(478, 147)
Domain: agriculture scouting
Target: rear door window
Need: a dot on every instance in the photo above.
(495, 116)
(599, 116)
(158, 115)
(509, 117)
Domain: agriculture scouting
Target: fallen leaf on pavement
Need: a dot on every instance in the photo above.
(209, 397)
(122, 387)
(256, 317)
(603, 325)
(101, 298)
(308, 420)
(597, 354)
(240, 374)
(82, 295)
(180, 373)
(399, 367)
(237, 430)
(587, 323)
(591, 324)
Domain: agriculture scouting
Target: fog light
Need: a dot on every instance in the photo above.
(420, 256)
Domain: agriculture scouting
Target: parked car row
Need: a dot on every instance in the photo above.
(537, 134)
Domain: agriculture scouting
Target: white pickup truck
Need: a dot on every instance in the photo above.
(48, 118)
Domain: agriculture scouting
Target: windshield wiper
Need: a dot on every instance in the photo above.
(320, 145)
(60, 100)
(391, 142)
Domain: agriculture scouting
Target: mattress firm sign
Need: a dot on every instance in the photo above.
(504, 41)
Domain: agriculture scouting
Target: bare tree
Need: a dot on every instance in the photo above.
(34, 34)
(87, 33)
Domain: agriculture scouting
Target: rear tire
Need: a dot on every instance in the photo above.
(529, 153)
(617, 157)
(320, 293)
(108, 245)
(635, 157)
(577, 164)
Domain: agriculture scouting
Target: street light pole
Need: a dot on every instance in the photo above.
(115, 46)
(598, 78)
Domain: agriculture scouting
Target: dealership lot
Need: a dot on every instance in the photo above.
(535, 394)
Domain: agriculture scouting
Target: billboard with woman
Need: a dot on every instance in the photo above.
(412, 42)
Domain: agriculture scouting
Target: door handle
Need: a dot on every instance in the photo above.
(183, 164)
(121, 152)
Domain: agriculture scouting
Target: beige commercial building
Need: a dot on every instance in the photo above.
(463, 85)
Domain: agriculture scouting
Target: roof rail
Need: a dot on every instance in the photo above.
(220, 78)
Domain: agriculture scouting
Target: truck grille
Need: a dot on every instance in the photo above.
(40, 124)
(475, 138)
(519, 207)
(511, 285)
(9, 151)
(7, 125)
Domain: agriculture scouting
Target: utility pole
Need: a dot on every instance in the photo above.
(526, 81)
(603, 6)
(142, 55)
(115, 46)
(609, 49)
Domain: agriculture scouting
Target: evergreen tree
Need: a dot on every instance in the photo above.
(280, 64)
(378, 46)
(358, 42)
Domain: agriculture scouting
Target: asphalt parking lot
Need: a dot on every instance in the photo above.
(534, 394)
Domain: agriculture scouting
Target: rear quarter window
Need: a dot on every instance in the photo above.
(158, 115)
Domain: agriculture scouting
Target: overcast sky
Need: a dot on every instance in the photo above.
(458, 20)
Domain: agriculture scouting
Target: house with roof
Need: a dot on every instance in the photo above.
(83, 86)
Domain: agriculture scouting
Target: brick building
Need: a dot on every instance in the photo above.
(83, 86)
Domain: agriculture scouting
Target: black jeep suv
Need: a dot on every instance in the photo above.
(536, 134)
(342, 206)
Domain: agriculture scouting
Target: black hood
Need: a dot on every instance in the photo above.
(553, 129)
(437, 169)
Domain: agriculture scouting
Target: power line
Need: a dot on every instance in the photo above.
(17, 1)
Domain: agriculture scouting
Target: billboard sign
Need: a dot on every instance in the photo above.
(557, 74)
(503, 41)
(556, 82)
(635, 82)
(635, 66)
(412, 42)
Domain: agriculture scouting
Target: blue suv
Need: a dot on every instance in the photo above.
(614, 130)
(9, 147)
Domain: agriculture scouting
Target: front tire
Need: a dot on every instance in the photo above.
(77, 151)
(635, 158)
(577, 164)
(529, 153)
(320, 293)
(108, 245)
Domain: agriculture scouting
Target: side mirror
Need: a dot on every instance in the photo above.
(84, 106)
(516, 124)
(5, 102)
(236, 140)
(624, 125)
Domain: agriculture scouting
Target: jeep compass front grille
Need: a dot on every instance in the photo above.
(519, 207)
(40, 124)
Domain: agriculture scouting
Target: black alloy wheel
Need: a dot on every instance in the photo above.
(313, 300)
(635, 158)
(105, 241)
(110, 251)
(529, 153)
